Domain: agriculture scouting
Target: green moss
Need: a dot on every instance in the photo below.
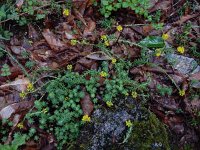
(148, 133)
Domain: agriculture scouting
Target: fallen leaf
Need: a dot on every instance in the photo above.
(7, 112)
(18, 84)
(32, 33)
(79, 16)
(17, 49)
(195, 76)
(51, 39)
(87, 105)
(185, 18)
(163, 5)
(89, 28)
(98, 56)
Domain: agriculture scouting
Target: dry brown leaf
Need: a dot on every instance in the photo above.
(9, 110)
(195, 76)
(79, 16)
(185, 18)
(32, 33)
(17, 49)
(98, 56)
(163, 5)
(87, 105)
(89, 28)
(18, 84)
(51, 39)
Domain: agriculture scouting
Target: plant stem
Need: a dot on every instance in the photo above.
(16, 61)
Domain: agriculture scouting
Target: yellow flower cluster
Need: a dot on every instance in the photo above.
(20, 125)
(86, 118)
(105, 39)
(158, 52)
(69, 67)
(114, 60)
(181, 92)
(73, 42)
(22, 94)
(134, 94)
(103, 74)
(181, 49)
(165, 36)
(119, 28)
(129, 123)
(66, 12)
(30, 87)
(109, 103)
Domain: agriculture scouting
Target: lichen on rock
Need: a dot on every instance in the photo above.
(108, 129)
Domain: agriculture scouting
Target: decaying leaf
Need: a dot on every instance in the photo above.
(7, 112)
(18, 84)
(87, 105)
(89, 28)
(51, 39)
(98, 56)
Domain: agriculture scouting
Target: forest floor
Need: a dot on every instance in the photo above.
(90, 75)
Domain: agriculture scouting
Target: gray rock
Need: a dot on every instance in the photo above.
(108, 129)
(184, 65)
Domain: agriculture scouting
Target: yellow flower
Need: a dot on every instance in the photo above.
(69, 67)
(73, 42)
(104, 37)
(103, 74)
(20, 125)
(86, 118)
(44, 110)
(22, 94)
(109, 103)
(129, 123)
(66, 98)
(181, 49)
(106, 43)
(181, 92)
(114, 60)
(158, 52)
(30, 87)
(165, 36)
(66, 12)
(134, 94)
(119, 28)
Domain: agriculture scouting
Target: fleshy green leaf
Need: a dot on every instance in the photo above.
(153, 42)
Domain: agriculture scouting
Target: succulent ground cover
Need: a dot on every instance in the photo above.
(103, 74)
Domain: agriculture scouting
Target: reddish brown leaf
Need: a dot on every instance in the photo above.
(87, 105)
(32, 33)
(51, 39)
(195, 76)
(89, 28)
(163, 5)
(98, 56)
(185, 18)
